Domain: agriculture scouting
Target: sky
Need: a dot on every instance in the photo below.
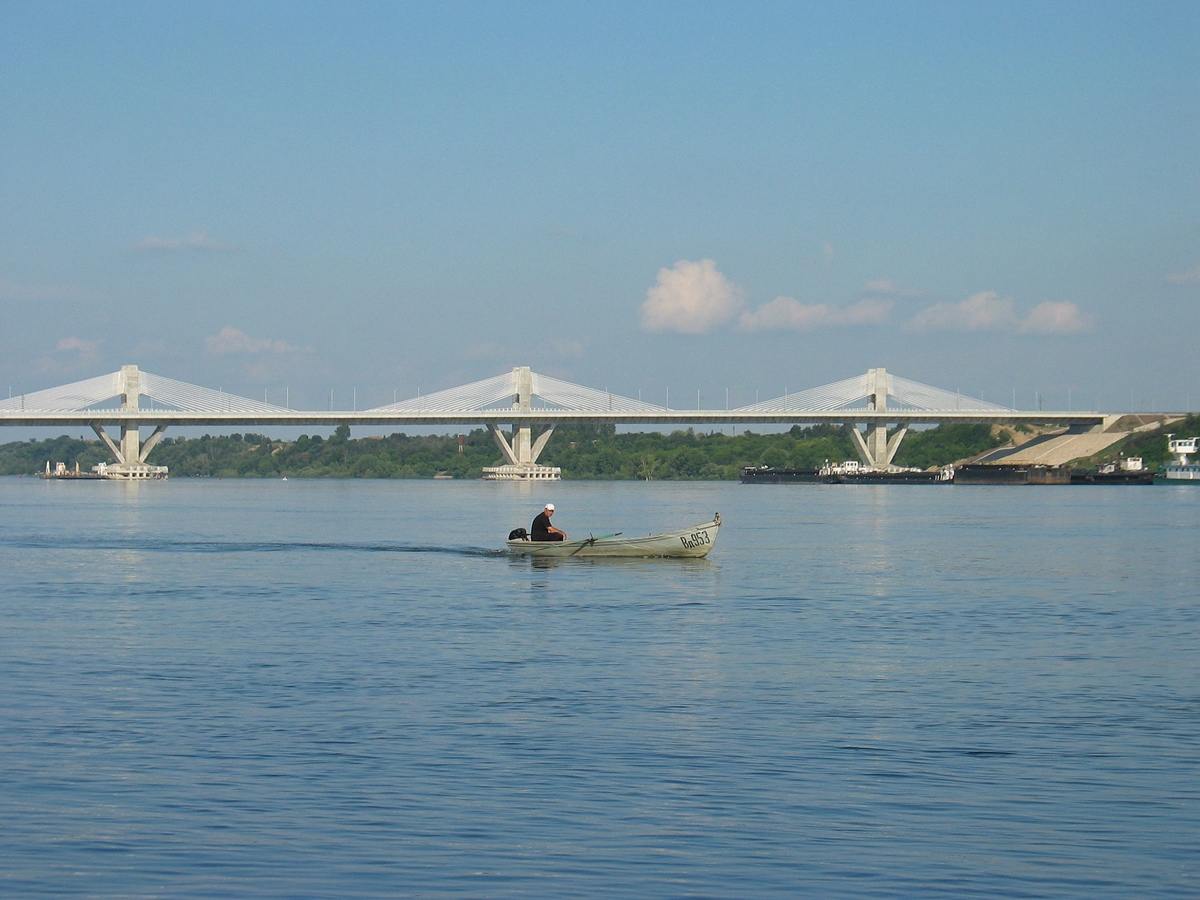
(381, 199)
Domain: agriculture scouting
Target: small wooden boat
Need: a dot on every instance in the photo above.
(691, 542)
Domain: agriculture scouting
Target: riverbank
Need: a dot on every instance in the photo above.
(586, 453)
(583, 454)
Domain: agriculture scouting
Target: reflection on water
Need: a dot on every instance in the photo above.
(318, 689)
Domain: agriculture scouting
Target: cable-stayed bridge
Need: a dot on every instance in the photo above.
(522, 399)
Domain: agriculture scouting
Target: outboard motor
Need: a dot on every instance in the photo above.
(518, 534)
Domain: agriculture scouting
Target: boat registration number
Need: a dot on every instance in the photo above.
(698, 539)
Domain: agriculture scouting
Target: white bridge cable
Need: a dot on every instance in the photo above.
(827, 398)
(491, 394)
(75, 397)
(924, 397)
(467, 398)
(179, 395)
(501, 393)
(565, 395)
(164, 393)
(911, 395)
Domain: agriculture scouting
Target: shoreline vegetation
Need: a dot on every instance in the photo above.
(583, 453)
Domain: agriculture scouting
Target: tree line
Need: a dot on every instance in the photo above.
(582, 452)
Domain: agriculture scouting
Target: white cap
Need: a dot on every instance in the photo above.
(550, 506)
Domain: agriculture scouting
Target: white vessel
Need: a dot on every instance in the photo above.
(1182, 469)
(690, 542)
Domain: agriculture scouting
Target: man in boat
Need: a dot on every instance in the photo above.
(542, 530)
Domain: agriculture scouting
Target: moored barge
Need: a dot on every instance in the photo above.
(1011, 473)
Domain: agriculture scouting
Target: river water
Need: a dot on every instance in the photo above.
(343, 689)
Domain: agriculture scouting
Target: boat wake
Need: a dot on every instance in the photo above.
(159, 545)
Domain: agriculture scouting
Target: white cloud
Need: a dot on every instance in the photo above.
(231, 340)
(85, 349)
(74, 343)
(61, 365)
(984, 311)
(197, 240)
(690, 298)
(889, 287)
(1055, 318)
(785, 312)
(1191, 276)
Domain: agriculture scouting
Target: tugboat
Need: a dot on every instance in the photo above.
(1182, 469)
(1129, 471)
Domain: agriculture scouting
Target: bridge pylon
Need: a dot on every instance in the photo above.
(523, 451)
(131, 453)
(875, 450)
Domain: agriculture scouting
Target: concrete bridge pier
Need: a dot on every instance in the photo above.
(522, 453)
(875, 450)
(131, 453)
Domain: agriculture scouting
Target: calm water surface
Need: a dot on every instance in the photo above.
(342, 689)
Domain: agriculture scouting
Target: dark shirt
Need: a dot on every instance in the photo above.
(540, 530)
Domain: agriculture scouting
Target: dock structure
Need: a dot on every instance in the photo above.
(529, 405)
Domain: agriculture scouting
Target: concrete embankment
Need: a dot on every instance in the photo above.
(1060, 447)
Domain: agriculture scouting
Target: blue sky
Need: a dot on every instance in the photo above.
(696, 197)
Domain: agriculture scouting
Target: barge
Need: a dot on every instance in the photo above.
(844, 473)
(1012, 473)
(60, 472)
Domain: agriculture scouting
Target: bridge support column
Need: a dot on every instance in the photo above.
(877, 443)
(522, 453)
(877, 385)
(876, 450)
(108, 442)
(131, 439)
(131, 453)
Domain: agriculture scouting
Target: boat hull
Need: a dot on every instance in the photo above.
(688, 543)
(769, 475)
(999, 473)
(1139, 477)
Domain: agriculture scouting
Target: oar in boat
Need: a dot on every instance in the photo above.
(592, 539)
